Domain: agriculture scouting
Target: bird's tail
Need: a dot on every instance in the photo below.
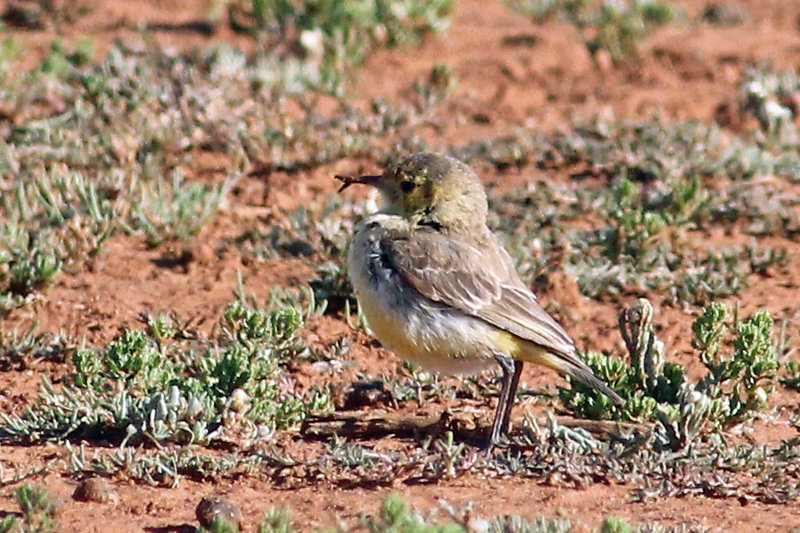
(571, 365)
(584, 374)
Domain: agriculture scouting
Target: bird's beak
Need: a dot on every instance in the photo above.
(347, 181)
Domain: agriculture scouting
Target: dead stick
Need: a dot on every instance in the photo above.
(370, 424)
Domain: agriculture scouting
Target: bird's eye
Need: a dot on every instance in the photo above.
(407, 186)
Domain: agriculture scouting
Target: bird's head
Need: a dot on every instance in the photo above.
(429, 188)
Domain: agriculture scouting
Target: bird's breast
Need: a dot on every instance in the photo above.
(415, 328)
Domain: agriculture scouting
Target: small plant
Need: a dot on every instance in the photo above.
(791, 378)
(744, 378)
(276, 521)
(727, 13)
(332, 288)
(38, 508)
(735, 388)
(441, 81)
(769, 96)
(611, 25)
(176, 212)
(19, 349)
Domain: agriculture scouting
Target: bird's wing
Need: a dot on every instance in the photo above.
(476, 278)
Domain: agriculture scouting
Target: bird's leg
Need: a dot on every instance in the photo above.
(502, 417)
(512, 396)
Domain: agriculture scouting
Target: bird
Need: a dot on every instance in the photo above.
(438, 288)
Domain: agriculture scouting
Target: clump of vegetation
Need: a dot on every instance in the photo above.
(736, 387)
(614, 26)
(152, 387)
(40, 14)
(791, 378)
(19, 350)
(61, 218)
(327, 39)
(770, 96)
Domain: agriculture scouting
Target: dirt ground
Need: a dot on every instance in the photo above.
(509, 70)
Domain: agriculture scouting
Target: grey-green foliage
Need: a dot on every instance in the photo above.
(19, 349)
(330, 38)
(633, 231)
(162, 467)
(220, 526)
(174, 211)
(743, 379)
(616, 525)
(55, 218)
(396, 516)
(736, 386)
(614, 26)
(160, 389)
(574, 457)
(276, 521)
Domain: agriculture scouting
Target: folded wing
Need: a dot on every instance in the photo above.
(478, 279)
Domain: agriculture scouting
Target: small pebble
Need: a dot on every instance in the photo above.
(95, 489)
(215, 508)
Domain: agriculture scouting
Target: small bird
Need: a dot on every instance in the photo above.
(437, 287)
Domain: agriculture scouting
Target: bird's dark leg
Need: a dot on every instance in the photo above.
(502, 417)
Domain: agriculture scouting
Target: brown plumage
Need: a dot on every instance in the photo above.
(437, 286)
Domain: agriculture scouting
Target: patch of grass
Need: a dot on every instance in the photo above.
(792, 375)
(614, 26)
(433, 90)
(62, 218)
(165, 467)
(47, 224)
(728, 13)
